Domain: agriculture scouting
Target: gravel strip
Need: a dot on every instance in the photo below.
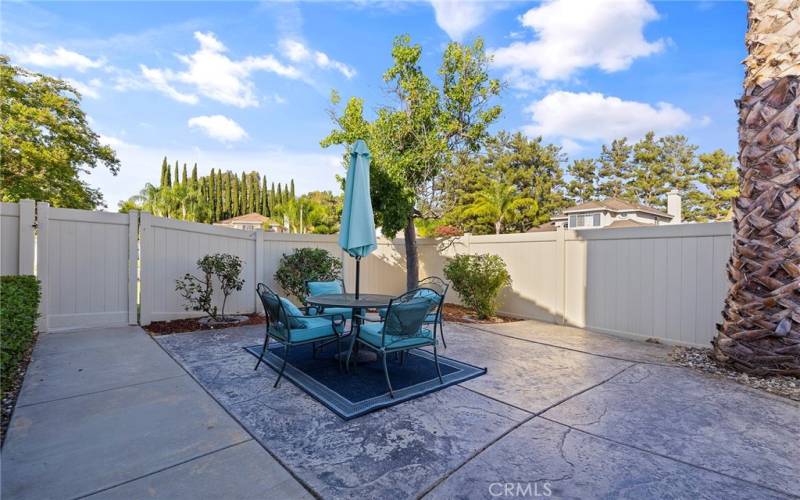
(701, 360)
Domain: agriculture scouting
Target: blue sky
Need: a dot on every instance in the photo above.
(240, 85)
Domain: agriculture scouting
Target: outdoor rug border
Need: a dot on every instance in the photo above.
(347, 409)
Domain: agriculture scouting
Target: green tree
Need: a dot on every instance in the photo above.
(500, 202)
(164, 172)
(583, 185)
(176, 176)
(184, 175)
(416, 139)
(531, 166)
(615, 169)
(46, 141)
(719, 187)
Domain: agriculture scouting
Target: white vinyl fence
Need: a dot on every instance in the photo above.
(99, 269)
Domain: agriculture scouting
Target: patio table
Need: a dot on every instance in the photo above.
(364, 301)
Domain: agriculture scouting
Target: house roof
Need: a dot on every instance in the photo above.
(627, 223)
(613, 205)
(251, 218)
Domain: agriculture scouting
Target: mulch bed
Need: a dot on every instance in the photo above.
(701, 360)
(11, 391)
(461, 314)
(193, 324)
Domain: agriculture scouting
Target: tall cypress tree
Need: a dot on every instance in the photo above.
(280, 194)
(184, 177)
(243, 194)
(164, 172)
(291, 190)
(227, 195)
(194, 174)
(212, 196)
(264, 197)
(235, 196)
(176, 178)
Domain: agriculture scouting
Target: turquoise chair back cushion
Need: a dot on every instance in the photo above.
(405, 319)
(428, 294)
(292, 310)
(324, 287)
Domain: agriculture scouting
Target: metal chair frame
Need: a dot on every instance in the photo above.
(434, 282)
(279, 321)
(414, 328)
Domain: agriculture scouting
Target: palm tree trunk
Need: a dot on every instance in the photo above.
(760, 331)
(498, 227)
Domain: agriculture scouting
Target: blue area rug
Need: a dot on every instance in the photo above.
(364, 390)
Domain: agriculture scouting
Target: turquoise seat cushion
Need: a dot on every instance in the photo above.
(324, 287)
(371, 334)
(315, 329)
(292, 310)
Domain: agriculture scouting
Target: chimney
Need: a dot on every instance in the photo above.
(674, 206)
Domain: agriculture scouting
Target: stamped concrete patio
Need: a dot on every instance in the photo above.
(561, 410)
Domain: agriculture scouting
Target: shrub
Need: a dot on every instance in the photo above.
(19, 309)
(199, 292)
(478, 280)
(306, 264)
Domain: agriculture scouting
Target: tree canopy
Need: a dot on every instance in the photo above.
(47, 142)
(415, 138)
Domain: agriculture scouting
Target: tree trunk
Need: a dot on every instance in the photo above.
(412, 257)
(760, 332)
(498, 227)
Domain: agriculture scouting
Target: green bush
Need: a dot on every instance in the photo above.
(199, 292)
(478, 280)
(19, 310)
(306, 264)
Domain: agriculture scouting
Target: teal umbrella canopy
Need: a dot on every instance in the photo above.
(357, 233)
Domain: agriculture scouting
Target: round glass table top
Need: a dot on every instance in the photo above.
(349, 300)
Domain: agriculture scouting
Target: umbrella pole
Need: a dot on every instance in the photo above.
(358, 274)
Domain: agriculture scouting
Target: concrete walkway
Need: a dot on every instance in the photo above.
(107, 413)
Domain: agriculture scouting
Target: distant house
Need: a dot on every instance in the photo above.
(613, 213)
(251, 222)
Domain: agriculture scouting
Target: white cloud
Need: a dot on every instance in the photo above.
(297, 52)
(40, 55)
(90, 89)
(210, 72)
(595, 117)
(576, 34)
(159, 79)
(218, 127)
(458, 17)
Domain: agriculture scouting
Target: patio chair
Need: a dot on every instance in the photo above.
(288, 325)
(401, 330)
(440, 287)
(328, 287)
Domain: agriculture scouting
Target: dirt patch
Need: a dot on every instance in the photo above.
(194, 324)
(461, 314)
(701, 360)
(13, 386)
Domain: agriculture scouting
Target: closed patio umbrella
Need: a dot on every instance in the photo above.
(357, 233)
